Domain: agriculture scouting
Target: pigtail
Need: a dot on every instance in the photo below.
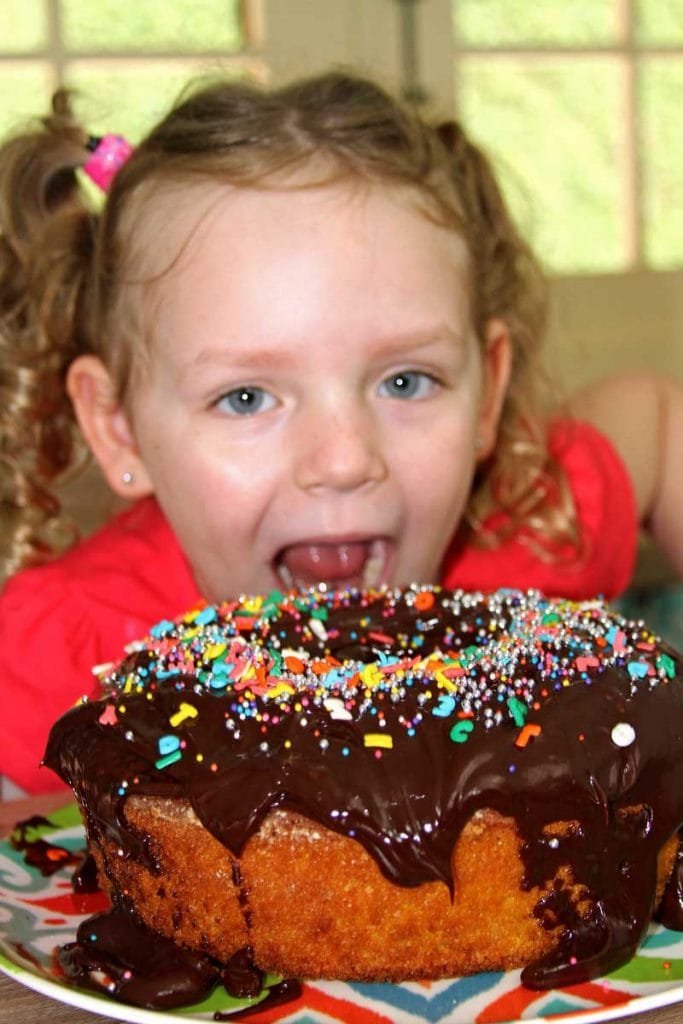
(46, 248)
(522, 479)
(508, 281)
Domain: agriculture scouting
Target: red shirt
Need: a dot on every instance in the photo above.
(59, 620)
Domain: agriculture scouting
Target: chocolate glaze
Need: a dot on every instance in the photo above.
(670, 910)
(576, 715)
(139, 967)
(85, 878)
(241, 977)
(282, 992)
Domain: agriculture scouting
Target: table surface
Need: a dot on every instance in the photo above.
(20, 1005)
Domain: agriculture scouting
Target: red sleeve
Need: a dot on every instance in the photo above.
(606, 513)
(59, 620)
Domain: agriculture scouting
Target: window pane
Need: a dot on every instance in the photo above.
(659, 22)
(151, 25)
(129, 97)
(25, 91)
(23, 26)
(662, 156)
(551, 126)
(515, 22)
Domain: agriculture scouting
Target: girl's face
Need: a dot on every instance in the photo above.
(316, 400)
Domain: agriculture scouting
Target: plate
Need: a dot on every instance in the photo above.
(38, 913)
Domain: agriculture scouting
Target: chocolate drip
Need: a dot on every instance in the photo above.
(85, 878)
(670, 911)
(140, 967)
(116, 953)
(283, 992)
(241, 977)
(593, 741)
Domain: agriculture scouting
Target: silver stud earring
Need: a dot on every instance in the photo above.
(127, 478)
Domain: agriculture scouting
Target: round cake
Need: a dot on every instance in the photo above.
(387, 784)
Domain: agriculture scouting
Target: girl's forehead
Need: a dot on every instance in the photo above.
(221, 262)
(282, 266)
(176, 219)
(157, 226)
(304, 238)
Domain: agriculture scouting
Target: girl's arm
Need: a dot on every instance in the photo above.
(642, 414)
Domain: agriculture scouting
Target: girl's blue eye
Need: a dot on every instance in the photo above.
(407, 384)
(246, 401)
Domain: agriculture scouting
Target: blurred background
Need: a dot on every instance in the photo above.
(577, 103)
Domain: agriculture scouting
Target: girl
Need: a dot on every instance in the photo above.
(303, 337)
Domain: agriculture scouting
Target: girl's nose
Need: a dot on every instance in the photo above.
(338, 452)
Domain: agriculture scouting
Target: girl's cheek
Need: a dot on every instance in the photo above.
(244, 469)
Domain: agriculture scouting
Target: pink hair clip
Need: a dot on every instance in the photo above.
(109, 154)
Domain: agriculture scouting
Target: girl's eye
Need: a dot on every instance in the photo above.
(407, 384)
(245, 401)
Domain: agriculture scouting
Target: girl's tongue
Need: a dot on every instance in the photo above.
(356, 563)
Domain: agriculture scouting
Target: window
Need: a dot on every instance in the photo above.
(128, 61)
(578, 105)
(576, 102)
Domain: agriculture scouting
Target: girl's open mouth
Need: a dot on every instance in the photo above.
(338, 564)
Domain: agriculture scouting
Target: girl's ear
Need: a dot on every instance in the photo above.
(497, 368)
(106, 428)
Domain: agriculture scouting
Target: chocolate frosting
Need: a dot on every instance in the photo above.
(141, 968)
(393, 717)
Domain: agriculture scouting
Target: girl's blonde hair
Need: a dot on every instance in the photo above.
(64, 270)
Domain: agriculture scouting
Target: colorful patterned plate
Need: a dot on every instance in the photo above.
(38, 913)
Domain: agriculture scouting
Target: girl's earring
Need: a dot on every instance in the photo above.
(127, 477)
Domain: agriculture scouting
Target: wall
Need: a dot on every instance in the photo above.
(604, 324)
(305, 36)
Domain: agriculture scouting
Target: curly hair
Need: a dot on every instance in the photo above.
(66, 273)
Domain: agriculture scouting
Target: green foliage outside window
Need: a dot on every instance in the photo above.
(24, 91)
(511, 22)
(662, 159)
(23, 26)
(128, 93)
(151, 25)
(130, 102)
(557, 165)
(659, 22)
(557, 123)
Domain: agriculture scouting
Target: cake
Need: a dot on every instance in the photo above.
(382, 785)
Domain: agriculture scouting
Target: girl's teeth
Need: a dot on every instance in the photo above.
(372, 571)
(285, 576)
(366, 576)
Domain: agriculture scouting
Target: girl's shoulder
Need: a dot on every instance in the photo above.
(112, 586)
(58, 621)
(587, 455)
(605, 503)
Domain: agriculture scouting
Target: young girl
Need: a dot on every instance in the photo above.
(302, 337)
